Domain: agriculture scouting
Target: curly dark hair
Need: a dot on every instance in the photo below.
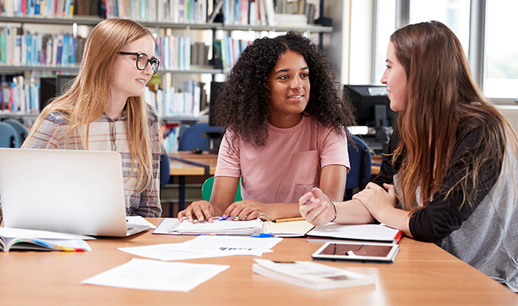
(243, 102)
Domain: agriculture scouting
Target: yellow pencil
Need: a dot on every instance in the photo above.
(288, 220)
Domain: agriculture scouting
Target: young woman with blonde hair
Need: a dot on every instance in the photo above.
(104, 110)
(450, 173)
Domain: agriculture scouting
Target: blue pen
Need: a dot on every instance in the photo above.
(221, 218)
(262, 235)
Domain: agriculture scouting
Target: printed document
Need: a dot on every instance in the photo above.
(156, 275)
(204, 247)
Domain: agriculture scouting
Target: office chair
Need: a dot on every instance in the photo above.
(9, 137)
(206, 189)
(361, 162)
(192, 137)
(19, 127)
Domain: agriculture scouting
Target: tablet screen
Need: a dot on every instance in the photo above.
(352, 251)
(356, 250)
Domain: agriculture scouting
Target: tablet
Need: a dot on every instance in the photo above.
(357, 251)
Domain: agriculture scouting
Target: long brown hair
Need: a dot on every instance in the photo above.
(442, 103)
(85, 101)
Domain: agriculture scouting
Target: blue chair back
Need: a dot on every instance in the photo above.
(192, 137)
(20, 128)
(9, 138)
(165, 169)
(361, 162)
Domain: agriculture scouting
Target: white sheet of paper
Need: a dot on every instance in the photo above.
(156, 275)
(231, 245)
(167, 226)
(205, 247)
(167, 252)
(138, 220)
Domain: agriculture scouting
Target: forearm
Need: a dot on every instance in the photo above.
(395, 218)
(352, 212)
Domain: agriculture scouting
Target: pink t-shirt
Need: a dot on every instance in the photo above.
(288, 166)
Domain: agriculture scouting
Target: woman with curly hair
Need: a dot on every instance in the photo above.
(450, 174)
(285, 119)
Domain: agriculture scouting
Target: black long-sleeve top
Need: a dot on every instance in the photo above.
(442, 216)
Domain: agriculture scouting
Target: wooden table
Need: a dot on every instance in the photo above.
(423, 274)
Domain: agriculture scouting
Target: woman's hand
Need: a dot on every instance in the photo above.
(201, 210)
(247, 210)
(379, 201)
(316, 208)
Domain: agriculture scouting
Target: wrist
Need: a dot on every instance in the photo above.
(334, 211)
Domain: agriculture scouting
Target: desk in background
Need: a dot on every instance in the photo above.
(423, 274)
(184, 163)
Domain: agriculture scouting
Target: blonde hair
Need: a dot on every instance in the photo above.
(85, 101)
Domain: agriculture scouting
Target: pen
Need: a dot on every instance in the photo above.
(288, 220)
(262, 235)
(224, 218)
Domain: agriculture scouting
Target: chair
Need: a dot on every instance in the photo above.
(206, 190)
(9, 137)
(193, 137)
(361, 162)
(19, 127)
(164, 170)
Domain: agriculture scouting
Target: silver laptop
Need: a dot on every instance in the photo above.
(70, 191)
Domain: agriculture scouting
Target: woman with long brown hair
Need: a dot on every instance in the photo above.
(449, 174)
(104, 110)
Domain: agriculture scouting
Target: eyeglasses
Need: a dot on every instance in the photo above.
(143, 60)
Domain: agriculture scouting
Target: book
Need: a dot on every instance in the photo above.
(364, 232)
(311, 275)
(33, 240)
(288, 229)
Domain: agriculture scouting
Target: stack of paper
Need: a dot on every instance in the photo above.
(206, 246)
(311, 275)
(221, 227)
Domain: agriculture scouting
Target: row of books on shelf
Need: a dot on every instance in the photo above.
(178, 53)
(174, 11)
(174, 52)
(269, 12)
(21, 95)
(228, 51)
(38, 8)
(39, 49)
(169, 101)
(240, 12)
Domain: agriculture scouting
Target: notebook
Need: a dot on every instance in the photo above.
(69, 191)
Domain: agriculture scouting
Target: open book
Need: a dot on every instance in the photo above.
(33, 240)
(311, 275)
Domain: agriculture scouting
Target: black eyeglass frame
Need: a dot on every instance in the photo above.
(149, 60)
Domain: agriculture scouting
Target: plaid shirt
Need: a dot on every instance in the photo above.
(108, 134)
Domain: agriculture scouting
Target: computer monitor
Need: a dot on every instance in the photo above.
(53, 87)
(372, 106)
